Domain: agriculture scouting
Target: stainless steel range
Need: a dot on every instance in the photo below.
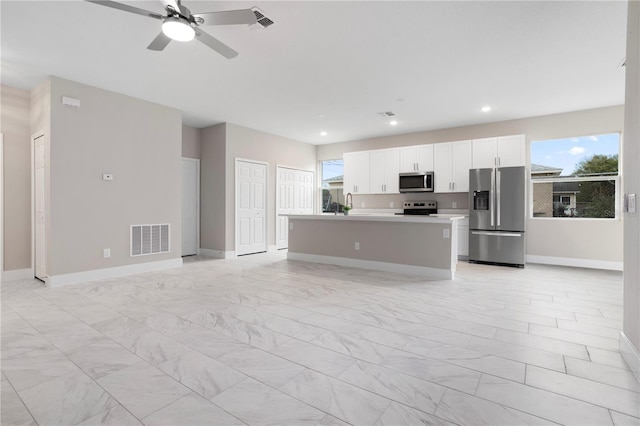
(420, 207)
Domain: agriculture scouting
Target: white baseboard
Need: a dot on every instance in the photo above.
(630, 354)
(217, 254)
(17, 274)
(118, 271)
(441, 274)
(575, 262)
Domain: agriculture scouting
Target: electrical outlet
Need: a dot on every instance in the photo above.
(362, 205)
(357, 246)
(290, 226)
(106, 253)
(454, 205)
(445, 233)
(392, 204)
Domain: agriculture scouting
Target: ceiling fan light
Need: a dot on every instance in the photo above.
(178, 30)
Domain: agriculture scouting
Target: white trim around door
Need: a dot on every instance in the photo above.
(38, 199)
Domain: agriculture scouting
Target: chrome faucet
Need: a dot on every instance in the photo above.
(349, 201)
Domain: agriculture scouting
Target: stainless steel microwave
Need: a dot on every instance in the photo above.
(416, 182)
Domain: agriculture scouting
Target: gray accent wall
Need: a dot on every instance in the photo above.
(190, 142)
(213, 188)
(566, 239)
(631, 145)
(16, 127)
(140, 143)
(412, 243)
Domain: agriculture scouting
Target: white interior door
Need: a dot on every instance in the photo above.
(286, 183)
(251, 201)
(295, 196)
(39, 208)
(190, 205)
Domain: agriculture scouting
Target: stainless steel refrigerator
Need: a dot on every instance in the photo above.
(497, 215)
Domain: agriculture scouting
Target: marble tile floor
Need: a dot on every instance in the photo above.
(263, 340)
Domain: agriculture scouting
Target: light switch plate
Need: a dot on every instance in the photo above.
(631, 203)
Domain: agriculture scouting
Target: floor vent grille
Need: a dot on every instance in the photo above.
(149, 239)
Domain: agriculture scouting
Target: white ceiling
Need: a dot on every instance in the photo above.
(334, 66)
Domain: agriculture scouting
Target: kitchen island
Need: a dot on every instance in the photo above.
(416, 245)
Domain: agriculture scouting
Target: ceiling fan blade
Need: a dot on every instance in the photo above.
(216, 44)
(228, 17)
(126, 8)
(159, 43)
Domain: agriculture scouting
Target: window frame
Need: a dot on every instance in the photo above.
(321, 180)
(615, 177)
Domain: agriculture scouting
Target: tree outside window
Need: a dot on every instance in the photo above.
(588, 189)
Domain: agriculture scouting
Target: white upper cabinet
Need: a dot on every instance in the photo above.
(452, 161)
(384, 169)
(356, 172)
(504, 151)
(418, 158)
(511, 151)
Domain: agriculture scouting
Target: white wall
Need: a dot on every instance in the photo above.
(631, 161)
(574, 239)
(140, 143)
(16, 128)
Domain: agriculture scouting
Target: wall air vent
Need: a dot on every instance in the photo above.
(149, 239)
(263, 21)
(387, 114)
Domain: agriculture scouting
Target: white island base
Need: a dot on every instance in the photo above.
(416, 245)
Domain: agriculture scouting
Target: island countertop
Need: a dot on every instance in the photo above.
(376, 217)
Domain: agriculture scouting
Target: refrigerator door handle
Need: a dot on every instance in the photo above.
(492, 196)
(498, 234)
(498, 203)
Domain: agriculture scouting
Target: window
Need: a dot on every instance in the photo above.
(576, 177)
(332, 177)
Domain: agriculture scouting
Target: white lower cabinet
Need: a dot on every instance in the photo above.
(463, 237)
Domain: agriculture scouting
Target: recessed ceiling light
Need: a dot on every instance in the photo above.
(485, 108)
(323, 133)
(393, 122)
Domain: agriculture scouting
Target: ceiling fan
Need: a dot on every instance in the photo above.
(182, 25)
